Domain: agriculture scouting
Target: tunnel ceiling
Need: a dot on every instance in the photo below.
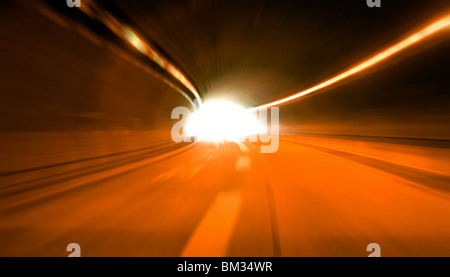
(257, 51)
(254, 52)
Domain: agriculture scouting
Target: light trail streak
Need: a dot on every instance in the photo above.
(125, 32)
(145, 49)
(426, 32)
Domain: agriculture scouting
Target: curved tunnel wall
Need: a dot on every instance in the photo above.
(68, 95)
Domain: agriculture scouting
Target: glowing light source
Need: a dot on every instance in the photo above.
(145, 49)
(135, 40)
(436, 26)
(220, 120)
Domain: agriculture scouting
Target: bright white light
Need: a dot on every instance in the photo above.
(220, 120)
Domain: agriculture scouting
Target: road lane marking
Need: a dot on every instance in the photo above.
(243, 147)
(243, 163)
(29, 198)
(213, 234)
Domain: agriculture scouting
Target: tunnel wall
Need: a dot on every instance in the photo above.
(67, 94)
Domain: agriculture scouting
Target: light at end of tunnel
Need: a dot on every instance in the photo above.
(218, 121)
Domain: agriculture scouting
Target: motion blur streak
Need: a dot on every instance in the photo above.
(87, 157)
(409, 41)
(127, 33)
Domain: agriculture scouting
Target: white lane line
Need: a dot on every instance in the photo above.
(243, 147)
(243, 163)
(213, 234)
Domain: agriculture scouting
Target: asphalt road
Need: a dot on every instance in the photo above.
(229, 200)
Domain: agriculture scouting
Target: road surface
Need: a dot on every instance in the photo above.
(207, 199)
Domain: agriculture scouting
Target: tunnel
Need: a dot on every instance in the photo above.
(353, 102)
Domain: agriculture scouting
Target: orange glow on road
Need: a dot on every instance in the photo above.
(426, 32)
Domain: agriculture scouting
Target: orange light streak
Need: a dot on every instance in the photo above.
(431, 29)
(125, 32)
(145, 49)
